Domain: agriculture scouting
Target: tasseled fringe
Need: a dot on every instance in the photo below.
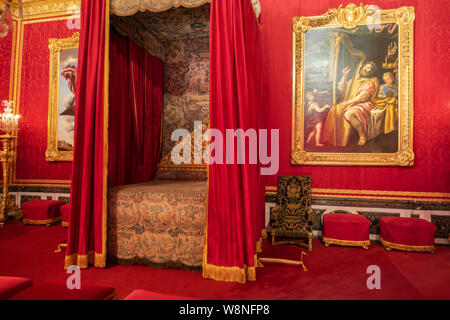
(231, 274)
(84, 260)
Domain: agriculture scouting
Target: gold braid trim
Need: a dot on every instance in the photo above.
(365, 244)
(390, 245)
(64, 224)
(60, 247)
(39, 222)
(84, 260)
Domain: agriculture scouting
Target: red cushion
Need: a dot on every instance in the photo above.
(65, 212)
(57, 290)
(41, 211)
(344, 226)
(149, 295)
(407, 231)
(10, 286)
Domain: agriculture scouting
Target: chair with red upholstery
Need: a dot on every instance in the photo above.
(10, 286)
(150, 295)
(42, 212)
(408, 234)
(346, 229)
(65, 212)
(57, 290)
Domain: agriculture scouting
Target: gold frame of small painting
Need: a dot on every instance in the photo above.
(352, 101)
(57, 150)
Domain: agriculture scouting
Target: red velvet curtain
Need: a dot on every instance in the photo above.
(87, 225)
(235, 199)
(135, 95)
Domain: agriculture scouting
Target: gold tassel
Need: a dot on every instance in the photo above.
(259, 245)
(60, 247)
(264, 233)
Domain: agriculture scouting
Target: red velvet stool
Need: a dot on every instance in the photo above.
(346, 229)
(150, 295)
(409, 234)
(42, 212)
(65, 212)
(57, 290)
(10, 286)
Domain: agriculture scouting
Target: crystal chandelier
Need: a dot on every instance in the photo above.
(9, 123)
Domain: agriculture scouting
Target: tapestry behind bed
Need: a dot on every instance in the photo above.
(158, 222)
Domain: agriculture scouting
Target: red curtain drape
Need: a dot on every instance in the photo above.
(135, 95)
(235, 215)
(87, 225)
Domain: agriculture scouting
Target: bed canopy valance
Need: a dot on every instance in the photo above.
(130, 7)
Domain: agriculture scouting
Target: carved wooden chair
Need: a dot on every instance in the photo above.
(291, 220)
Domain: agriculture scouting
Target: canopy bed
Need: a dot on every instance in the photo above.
(144, 71)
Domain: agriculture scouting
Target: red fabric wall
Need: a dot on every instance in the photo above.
(5, 65)
(431, 171)
(31, 166)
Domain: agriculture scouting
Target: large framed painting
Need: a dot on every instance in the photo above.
(61, 110)
(353, 87)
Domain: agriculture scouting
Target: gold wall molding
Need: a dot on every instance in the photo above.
(16, 90)
(373, 194)
(350, 17)
(34, 8)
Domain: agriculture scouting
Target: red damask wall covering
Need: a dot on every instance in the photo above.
(31, 87)
(431, 171)
(6, 45)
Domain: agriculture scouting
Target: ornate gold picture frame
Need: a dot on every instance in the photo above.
(61, 109)
(353, 87)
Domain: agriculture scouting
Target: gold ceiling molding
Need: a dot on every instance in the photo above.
(130, 7)
(33, 8)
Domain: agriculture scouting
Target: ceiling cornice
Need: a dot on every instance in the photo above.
(40, 8)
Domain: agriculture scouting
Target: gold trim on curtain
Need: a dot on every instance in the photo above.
(100, 259)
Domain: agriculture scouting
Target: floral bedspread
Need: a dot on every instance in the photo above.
(160, 221)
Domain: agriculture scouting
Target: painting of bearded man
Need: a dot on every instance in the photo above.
(353, 87)
(354, 111)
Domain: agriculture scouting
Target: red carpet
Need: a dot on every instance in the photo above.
(334, 272)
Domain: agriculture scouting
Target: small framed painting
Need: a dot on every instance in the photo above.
(61, 110)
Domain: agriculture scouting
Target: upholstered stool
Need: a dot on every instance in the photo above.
(42, 212)
(57, 290)
(409, 234)
(10, 286)
(65, 213)
(346, 230)
(150, 295)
